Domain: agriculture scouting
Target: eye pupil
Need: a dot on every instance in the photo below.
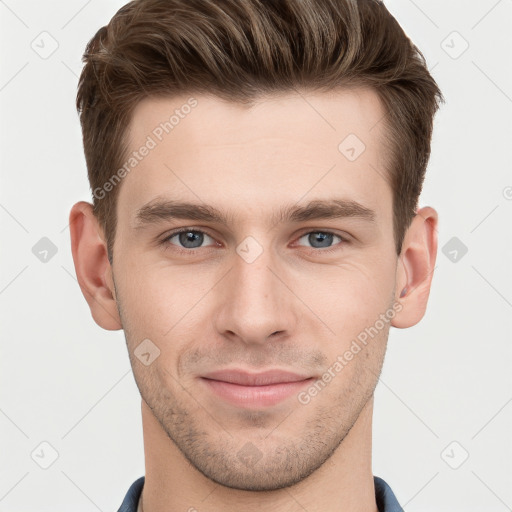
(190, 237)
(325, 239)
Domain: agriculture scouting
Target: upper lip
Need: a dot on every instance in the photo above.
(255, 379)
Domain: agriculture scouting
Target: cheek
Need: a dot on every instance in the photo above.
(161, 302)
(350, 297)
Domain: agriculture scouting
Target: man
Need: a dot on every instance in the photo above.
(255, 169)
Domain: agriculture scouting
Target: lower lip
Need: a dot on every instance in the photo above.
(255, 396)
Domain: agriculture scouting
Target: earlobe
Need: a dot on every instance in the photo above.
(92, 266)
(416, 267)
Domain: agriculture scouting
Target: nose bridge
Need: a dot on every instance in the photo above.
(255, 302)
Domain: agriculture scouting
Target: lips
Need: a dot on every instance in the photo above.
(254, 390)
(266, 378)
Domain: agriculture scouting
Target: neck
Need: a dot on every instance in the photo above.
(343, 483)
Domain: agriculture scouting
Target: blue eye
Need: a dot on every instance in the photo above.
(190, 239)
(322, 238)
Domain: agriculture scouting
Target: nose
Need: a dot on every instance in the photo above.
(255, 301)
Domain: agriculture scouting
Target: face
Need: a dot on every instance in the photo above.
(297, 263)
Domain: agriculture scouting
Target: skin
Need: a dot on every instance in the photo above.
(210, 309)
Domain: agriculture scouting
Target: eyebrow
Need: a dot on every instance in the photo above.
(159, 210)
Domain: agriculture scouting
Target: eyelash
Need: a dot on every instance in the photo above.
(166, 241)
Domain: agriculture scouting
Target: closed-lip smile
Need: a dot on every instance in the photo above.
(247, 389)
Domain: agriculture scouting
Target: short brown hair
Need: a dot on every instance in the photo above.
(242, 50)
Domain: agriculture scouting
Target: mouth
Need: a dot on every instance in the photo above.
(254, 390)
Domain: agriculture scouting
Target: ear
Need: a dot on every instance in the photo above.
(416, 268)
(92, 267)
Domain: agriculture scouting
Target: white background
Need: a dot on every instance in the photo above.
(67, 382)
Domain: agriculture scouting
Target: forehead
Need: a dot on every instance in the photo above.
(307, 116)
(282, 148)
